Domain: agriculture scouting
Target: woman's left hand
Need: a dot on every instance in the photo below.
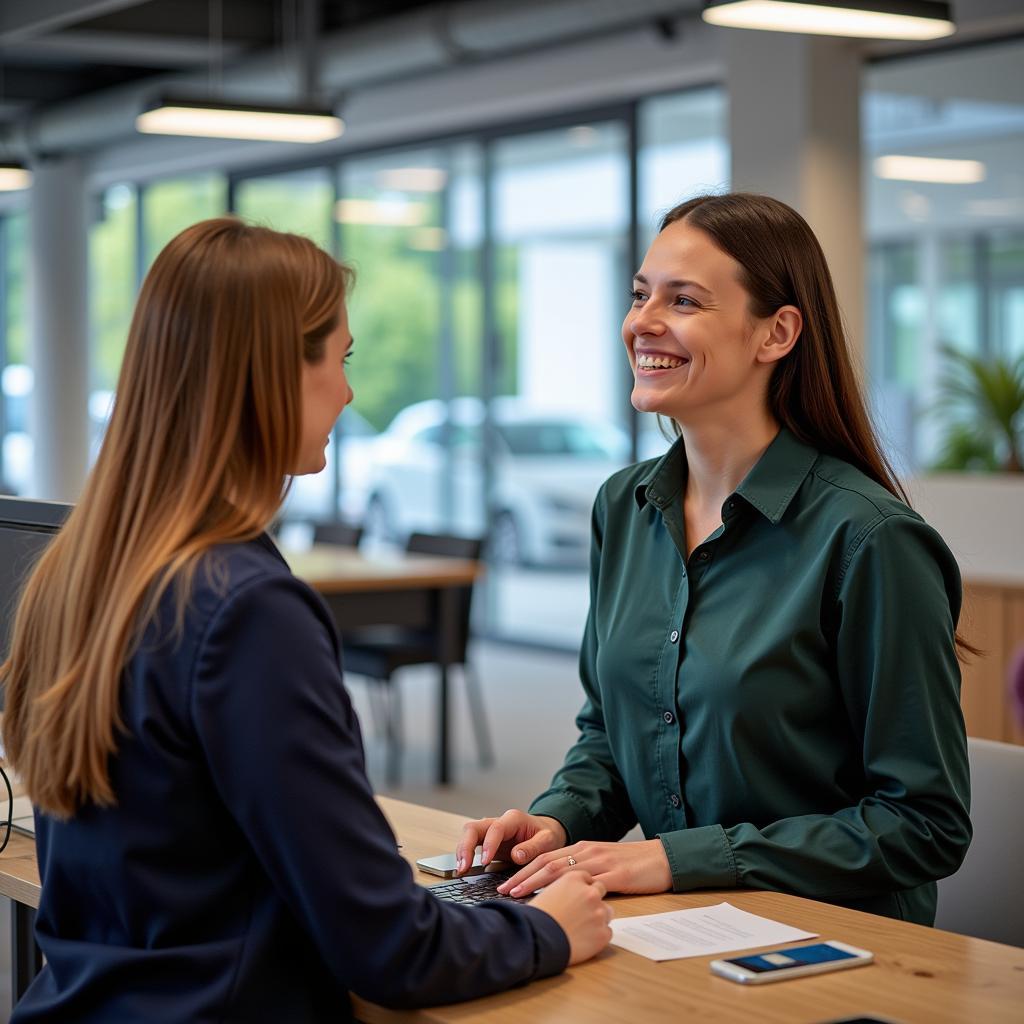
(622, 867)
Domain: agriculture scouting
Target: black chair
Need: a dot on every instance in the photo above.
(378, 652)
(345, 535)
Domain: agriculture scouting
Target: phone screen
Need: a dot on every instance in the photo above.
(799, 957)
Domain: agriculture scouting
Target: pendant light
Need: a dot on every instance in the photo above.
(864, 19)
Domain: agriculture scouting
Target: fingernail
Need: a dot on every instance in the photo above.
(503, 888)
(520, 855)
(516, 891)
(461, 863)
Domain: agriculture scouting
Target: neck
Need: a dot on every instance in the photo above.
(721, 453)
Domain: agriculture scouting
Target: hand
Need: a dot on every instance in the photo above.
(621, 867)
(576, 903)
(515, 836)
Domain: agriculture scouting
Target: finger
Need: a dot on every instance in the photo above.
(545, 875)
(493, 838)
(602, 889)
(609, 911)
(520, 876)
(472, 832)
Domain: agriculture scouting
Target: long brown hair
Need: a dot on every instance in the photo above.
(813, 391)
(204, 432)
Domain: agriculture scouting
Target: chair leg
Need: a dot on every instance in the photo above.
(482, 731)
(395, 746)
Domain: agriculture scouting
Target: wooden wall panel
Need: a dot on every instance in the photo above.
(983, 694)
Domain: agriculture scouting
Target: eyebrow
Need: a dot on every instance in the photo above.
(351, 343)
(675, 284)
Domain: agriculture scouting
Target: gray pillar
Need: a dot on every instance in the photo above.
(59, 417)
(794, 126)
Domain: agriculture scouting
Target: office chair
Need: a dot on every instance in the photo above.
(378, 652)
(345, 535)
(982, 898)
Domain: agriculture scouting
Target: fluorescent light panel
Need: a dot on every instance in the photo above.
(14, 177)
(380, 212)
(870, 19)
(938, 170)
(219, 120)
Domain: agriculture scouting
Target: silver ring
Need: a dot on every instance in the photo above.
(572, 862)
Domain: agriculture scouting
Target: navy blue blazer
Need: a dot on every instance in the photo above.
(246, 873)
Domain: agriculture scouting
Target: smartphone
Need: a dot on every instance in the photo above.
(444, 865)
(780, 964)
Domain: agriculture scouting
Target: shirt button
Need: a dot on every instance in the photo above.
(674, 800)
(703, 556)
(669, 717)
(730, 505)
(674, 635)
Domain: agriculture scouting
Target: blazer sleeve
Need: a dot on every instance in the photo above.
(282, 742)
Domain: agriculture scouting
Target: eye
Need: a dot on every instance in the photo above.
(348, 356)
(637, 296)
(685, 301)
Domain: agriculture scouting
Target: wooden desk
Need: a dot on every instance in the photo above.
(418, 591)
(920, 974)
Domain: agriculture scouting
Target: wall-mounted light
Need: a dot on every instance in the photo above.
(14, 176)
(933, 169)
(221, 120)
(864, 19)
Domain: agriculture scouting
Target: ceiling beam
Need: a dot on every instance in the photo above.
(23, 19)
(129, 49)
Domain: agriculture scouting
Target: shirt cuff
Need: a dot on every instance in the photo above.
(551, 945)
(700, 858)
(568, 813)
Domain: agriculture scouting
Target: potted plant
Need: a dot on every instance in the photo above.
(982, 400)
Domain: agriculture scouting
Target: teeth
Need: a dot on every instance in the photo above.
(658, 362)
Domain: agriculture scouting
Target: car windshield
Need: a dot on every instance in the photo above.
(551, 437)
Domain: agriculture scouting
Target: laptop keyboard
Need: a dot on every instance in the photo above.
(474, 889)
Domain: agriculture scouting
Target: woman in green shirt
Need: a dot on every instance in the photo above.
(770, 658)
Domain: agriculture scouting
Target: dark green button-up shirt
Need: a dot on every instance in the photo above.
(782, 708)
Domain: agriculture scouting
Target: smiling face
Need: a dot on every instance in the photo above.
(325, 392)
(694, 347)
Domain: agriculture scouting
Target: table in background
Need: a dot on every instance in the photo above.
(417, 591)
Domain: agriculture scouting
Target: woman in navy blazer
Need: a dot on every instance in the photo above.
(209, 846)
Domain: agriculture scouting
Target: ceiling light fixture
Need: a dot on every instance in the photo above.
(14, 177)
(863, 19)
(263, 122)
(933, 169)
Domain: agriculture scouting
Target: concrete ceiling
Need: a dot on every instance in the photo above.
(52, 51)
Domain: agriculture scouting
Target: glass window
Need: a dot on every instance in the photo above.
(300, 202)
(113, 267)
(172, 205)
(561, 220)
(964, 110)
(16, 465)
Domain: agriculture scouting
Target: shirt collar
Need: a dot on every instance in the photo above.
(769, 486)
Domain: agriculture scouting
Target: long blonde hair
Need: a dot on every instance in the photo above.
(205, 429)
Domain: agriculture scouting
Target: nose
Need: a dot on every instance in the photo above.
(645, 320)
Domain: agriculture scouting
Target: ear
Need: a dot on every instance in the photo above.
(784, 327)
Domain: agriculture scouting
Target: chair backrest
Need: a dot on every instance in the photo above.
(451, 546)
(983, 898)
(344, 534)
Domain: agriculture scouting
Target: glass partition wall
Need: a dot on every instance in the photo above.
(492, 274)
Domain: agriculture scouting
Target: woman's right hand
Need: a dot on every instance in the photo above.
(576, 902)
(515, 836)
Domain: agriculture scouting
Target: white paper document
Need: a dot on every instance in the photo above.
(700, 932)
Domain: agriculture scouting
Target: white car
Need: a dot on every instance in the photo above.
(545, 473)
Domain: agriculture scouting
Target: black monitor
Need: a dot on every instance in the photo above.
(26, 527)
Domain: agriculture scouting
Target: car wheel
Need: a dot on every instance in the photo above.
(506, 546)
(377, 524)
